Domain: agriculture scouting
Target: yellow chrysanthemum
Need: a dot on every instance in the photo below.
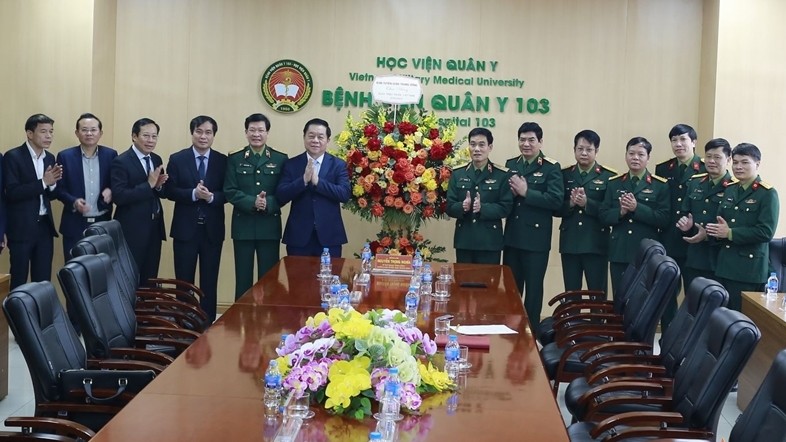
(427, 142)
(400, 145)
(374, 155)
(430, 184)
(363, 141)
(388, 140)
(429, 174)
(357, 190)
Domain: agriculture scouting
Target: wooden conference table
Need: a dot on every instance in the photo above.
(771, 320)
(213, 390)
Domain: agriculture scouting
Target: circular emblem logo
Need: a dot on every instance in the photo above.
(287, 86)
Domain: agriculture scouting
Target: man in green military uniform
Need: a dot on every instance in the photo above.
(700, 206)
(746, 222)
(636, 206)
(479, 198)
(250, 186)
(678, 172)
(584, 240)
(536, 183)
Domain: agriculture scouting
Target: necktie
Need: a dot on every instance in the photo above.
(201, 169)
(147, 164)
(682, 169)
(635, 181)
(316, 167)
(583, 175)
(156, 207)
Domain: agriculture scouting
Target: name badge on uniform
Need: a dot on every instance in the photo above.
(270, 165)
(537, 174)
(245, 165)
(720, 195)
(490, 181)
(464, 179)
(697, 190)
(750, 201)
(647, 191)
(598, 182)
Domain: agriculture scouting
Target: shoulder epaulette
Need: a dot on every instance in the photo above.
(502, 168)
(569, 167)
(609, 169)
(665, 162)
(616, 176)
(274, 150)
(698, 175)
(549, 160)
(237, 151)
(659, 178)
(765, 184)
(461, 166)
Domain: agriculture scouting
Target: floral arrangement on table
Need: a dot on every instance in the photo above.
(398, 242)
(399, 167)
(342, 359)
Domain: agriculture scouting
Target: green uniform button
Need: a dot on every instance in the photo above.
(580, 223)
(630, 232)
(750, 256)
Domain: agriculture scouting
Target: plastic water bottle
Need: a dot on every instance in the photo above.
(452, 357)
(375, 436)
(324, 263)
(272, 397)
(391, 399)
(365, 260)
(335, 286)
(388, 429)
(343, 298)
(283, 342)
(772, 286)
(411, 301)
(425, 284)
(417, 263)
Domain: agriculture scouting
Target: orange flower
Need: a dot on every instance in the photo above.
(444, 174)
(417, 236)
(410, 250)
(422, 154)
(364, 162)
(374, 165)
(385, 242)
(380, 249)
(413, 187)
(398, 203)
(377, 209)
(370, 178)
(409, 176)
(362, 203)
(419, 169)
(366, 185)
(384, 160)
(403, 242)
(390, 201)
(431, 197)
(393, 189)
(415, 198)
(408, 208)
(389, 174)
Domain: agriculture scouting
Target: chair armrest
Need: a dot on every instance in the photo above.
(123, 364)
(636, 418)
(173, 304)
(56, 407)
(620, 346)
(577, 295)
(576, 307)
(144, 319)
(140, 354)
(564, 323)
(625, 369)
(62, 427)
(178, 283)
(599, 332)
(616, 359)
(172, 332)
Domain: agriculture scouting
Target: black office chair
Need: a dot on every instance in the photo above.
(643, 309)
(147, 304)
(109, 324)
(63, 385)
(35, 429)
(778, 259)
(630, 361)
(701, 386)
(573, 302)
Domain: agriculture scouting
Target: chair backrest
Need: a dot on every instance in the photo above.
(778, 259)
(633, 274)
(764, 420)
(702, 297)
(45, 336)
(648, 298)
(95, 244)
(703, 381)
(114, 230)
(106, 318)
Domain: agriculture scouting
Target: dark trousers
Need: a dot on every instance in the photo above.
(313, 248)
(209, 255)
(33, 258)
(267, 254)
(592, 266)
(478, 256)
(146, 250)
(616, 269)
(70, 241)
(671, 305)
(735, 289)
(529, 269)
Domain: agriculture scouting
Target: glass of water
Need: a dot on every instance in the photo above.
(299, 406)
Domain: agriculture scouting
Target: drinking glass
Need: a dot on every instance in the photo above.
(445, 273)
(464, 363)
(299, 407)
(442, 325)
(442, 289)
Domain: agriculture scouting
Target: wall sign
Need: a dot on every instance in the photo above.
(286, 86)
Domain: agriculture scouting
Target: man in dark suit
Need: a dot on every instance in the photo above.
(84, 190)
(317, 183)
(195, 184)
(31, 175)
(137, 176)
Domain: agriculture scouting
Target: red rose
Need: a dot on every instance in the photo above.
(374, 144)
(399, 154)
(355, 157)
(406, 128)
(370, 131)
(428, 211)
(448, 146)
(389, 127)
(418, 147)
(389, 151)
(377, 209)
(433, 134)
(443, 206)
(418, 161)
(376, 192)
(410, 250)
(437, 153)
(399, 177)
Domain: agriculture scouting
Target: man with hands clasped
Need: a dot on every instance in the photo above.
(479, 197)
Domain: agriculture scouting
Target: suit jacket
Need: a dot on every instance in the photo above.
(482, 230)
(134, 197)
(183, 178)
(314, 207)
(529, 224)
(752, 215)
(247, 175)
(581, 230)
(678, 187)
(22, 191)
(649, 219)
(72, 186)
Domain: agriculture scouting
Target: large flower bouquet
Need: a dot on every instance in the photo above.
(399, 165)
(342, 358)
